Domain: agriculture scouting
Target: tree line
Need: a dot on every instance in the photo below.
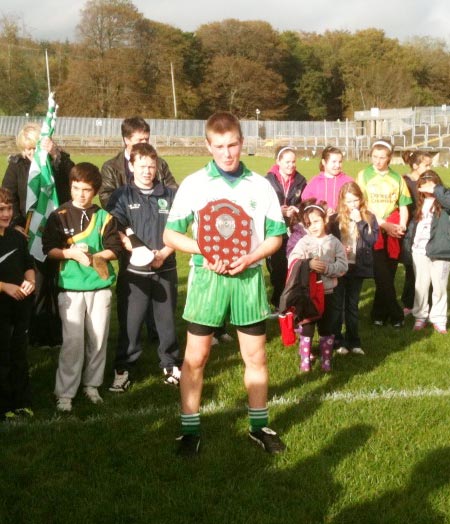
(123, 63)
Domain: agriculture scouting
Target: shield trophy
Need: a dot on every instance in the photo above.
(224, 231)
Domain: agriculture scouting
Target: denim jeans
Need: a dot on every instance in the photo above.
(346, 301)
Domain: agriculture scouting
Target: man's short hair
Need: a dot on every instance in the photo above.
(222, 122)
(87, 173)
(142, 149)
(131, 125)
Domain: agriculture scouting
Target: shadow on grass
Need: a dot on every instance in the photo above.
(380, 344)
(122, 469)
(410, 504)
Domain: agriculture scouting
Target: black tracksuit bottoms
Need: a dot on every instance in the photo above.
(135, 295)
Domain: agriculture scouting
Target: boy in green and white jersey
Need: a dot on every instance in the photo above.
(85, 239)
(220, 289)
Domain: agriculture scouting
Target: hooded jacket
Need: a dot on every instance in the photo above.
(293, 197)
(328, 249)
(326, 188)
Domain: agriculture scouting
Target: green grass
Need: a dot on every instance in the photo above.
(368, 443)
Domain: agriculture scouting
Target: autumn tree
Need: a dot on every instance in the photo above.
(99, 71)
(162, 53)
(240, 73)
(241, 85)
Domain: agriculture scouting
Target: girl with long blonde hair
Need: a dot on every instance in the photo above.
(357, 228)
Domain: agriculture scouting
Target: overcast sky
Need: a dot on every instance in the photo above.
(57, 19)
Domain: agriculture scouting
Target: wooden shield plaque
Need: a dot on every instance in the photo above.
(224, 231)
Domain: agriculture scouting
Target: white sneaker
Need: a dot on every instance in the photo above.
(92, 394)
(64, 404)
(172, 376)
(121, 382)
(358, 351)
(226, 338)
(342, 351)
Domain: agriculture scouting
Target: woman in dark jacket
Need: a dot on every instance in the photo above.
(45, 323)
(289, 185)
(357, 229)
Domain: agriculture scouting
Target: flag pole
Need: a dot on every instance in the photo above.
(48, 72)
(173, 90)
(30, 212)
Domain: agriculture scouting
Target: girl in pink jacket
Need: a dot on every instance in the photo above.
(326, 185)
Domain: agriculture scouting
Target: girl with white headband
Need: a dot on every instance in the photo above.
(326, 256)
(327, 184)
(289, 185)
(387, 197)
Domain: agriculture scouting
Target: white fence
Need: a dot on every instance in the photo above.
(427, 128)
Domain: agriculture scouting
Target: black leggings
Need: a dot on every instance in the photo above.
(324, 324)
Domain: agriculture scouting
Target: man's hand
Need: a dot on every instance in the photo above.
(241, 264)
(218, 267)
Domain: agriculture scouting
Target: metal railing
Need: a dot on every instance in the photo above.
(424, 127)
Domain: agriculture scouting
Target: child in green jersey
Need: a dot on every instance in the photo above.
(84, 238)
(387, 197)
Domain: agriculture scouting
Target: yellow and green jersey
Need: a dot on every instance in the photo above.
(384, 192)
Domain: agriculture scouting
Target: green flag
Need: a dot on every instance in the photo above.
(41, 192)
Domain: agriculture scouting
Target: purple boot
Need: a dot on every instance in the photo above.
(304, 350)
(326, 350)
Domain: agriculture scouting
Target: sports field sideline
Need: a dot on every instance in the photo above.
(369, 443)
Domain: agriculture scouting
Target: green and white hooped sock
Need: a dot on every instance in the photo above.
(190, 424)
(259, 418)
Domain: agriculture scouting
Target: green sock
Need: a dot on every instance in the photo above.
(259, 418)
(190, 424)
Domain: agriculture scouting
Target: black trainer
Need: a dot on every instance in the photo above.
(188, 445)
(268, 440)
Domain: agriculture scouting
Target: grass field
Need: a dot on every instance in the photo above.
(369, 443)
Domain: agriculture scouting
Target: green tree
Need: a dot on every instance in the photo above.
(374, 72)
(429, 63)
(20, 78)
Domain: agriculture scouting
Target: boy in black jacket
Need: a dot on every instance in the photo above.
(17, 283)
(143, 206)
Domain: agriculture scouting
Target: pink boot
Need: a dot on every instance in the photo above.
(304, 350)
(326, 350)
